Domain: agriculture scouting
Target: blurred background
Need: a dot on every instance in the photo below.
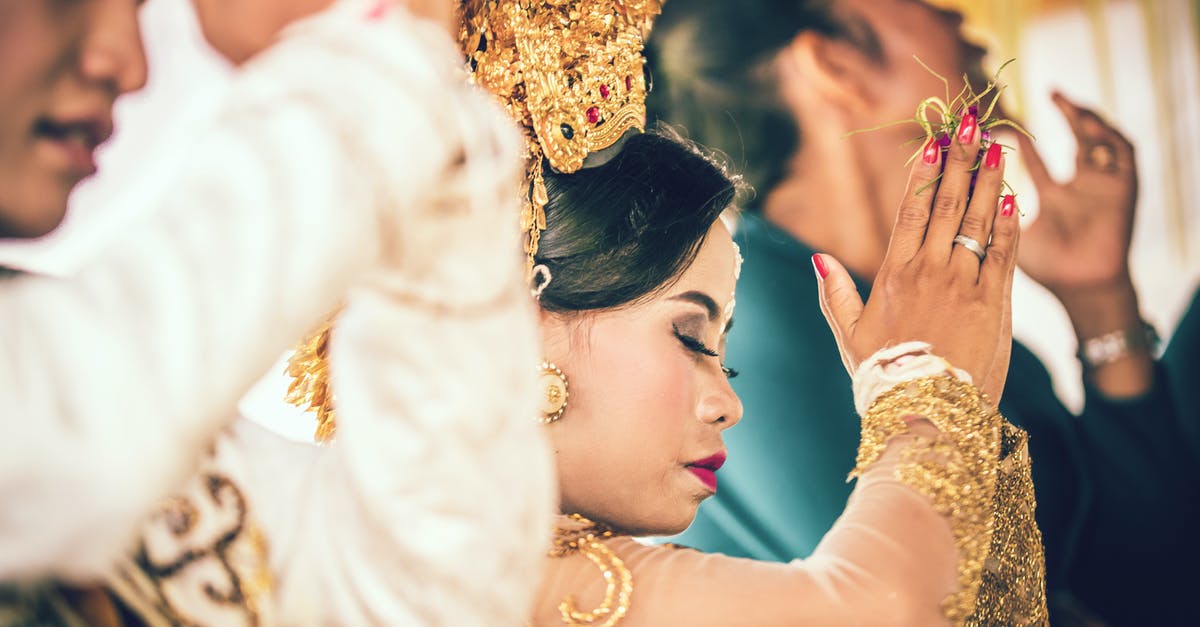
(1135, 61)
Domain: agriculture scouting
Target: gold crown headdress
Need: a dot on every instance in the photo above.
(571, 74)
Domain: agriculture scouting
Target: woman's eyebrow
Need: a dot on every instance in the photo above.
(702, 299)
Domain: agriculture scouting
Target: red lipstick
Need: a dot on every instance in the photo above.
(706, 469)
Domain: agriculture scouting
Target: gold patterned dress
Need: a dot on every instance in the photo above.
(938, 531)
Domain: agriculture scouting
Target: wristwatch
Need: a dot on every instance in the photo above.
(1105, 349)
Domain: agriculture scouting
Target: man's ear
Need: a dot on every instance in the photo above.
(827, 69)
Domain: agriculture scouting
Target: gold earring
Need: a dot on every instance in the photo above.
(553, 383)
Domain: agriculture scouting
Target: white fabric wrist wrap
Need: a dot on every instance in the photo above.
(894, 365)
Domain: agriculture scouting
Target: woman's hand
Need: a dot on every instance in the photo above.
(930, 288)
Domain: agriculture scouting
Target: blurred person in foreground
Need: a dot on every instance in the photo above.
(778, 86)
(352, 164)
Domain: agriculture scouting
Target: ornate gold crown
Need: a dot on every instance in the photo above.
(570, 72)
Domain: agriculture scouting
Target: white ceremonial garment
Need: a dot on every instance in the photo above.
(352, 156)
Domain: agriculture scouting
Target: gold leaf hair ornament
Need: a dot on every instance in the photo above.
(571, 73)
(308, 368)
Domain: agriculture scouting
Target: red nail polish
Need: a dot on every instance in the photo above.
(966, 129)
(1007, 205)
(932, 152)
(819, 265)
(992, 160)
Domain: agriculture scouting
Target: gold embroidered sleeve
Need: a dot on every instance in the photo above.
(976, 473)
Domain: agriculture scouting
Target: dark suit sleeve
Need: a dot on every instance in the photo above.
(1146, 483)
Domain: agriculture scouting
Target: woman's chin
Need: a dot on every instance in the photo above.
(676, 525)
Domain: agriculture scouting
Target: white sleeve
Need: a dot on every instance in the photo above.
(432, 506)
(115, 381)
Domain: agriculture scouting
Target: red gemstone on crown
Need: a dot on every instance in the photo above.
(628, 82)
(604, 92)
(593, 115)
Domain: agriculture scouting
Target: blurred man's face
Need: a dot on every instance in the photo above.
(62, 65)
(239, 29)
(905, 28)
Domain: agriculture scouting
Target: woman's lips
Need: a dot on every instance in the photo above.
(706, 469)
(706, 476)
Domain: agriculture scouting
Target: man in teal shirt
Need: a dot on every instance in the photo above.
(777, 86)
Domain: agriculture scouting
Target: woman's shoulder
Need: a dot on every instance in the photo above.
(649, 584)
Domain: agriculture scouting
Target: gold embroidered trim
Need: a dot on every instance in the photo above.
(201, 556)
(957, 470)
(1013, 589)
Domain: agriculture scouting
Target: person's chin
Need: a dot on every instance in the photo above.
(687, 514)
(37, 222)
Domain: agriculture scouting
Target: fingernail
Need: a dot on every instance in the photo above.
(1007, 205)
(819, 266)
(967, 129)
(992, 160)
(932, 152)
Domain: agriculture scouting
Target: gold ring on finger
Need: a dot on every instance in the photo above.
(972, 245)
(1102, 157)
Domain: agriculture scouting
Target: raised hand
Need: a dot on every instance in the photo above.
(931, 288)
(1080, 239)
(1078, 248)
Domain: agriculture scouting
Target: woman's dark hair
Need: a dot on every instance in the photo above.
(623, 231)
(712, 65)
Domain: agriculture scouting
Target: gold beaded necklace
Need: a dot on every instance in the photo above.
(588, 540)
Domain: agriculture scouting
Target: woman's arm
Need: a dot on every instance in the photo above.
(890, 559)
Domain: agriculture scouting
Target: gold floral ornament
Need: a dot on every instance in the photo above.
(570, 72)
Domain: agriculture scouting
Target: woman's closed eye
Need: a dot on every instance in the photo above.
(697, 346)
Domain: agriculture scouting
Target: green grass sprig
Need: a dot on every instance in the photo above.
(939, 117)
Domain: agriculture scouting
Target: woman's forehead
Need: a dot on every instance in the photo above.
(715, 269)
